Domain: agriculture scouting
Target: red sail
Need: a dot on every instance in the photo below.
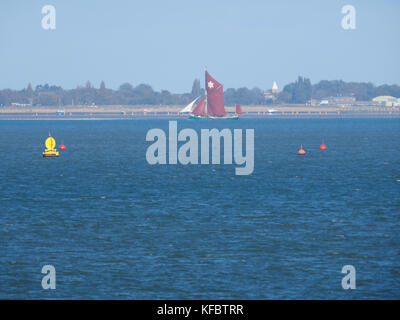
(200, 108)
(215, 96)
(215, 102)
(214, 83)
(238, 108)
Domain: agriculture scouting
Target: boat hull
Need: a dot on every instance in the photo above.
(208, 117)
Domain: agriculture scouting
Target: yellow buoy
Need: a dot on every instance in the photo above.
(50, 151)
(50, 143)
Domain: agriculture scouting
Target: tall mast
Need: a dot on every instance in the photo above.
(205, 88)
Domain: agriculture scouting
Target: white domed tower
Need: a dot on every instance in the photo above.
(275, 89)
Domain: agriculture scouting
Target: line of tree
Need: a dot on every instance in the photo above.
(299, 91)
(302, 91)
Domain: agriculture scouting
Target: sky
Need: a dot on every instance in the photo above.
(167, 44)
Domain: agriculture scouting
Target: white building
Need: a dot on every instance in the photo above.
(275, 89)
(271, 94)
(387, 101)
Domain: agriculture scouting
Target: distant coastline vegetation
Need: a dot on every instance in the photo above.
(297, 92)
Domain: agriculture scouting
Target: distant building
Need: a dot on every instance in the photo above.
(268, 95)
(338, 100)
(275, 89)
(366, 103)
(272, 93)
(387, 101)
(342, 100)
(16, 104)
(313, 102)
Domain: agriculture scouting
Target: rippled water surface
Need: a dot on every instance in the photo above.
(116, 227)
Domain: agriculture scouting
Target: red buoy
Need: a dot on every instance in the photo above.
(301, 151)
(322, 146)
(62, 147)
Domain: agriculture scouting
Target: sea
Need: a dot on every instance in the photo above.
(115, 227)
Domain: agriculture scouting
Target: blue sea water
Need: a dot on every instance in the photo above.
(115, 227)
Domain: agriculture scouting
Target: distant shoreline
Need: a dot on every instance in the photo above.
(172, 112)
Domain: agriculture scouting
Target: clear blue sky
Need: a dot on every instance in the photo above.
(167, 43)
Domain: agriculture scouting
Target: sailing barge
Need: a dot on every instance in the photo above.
(212, 105)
